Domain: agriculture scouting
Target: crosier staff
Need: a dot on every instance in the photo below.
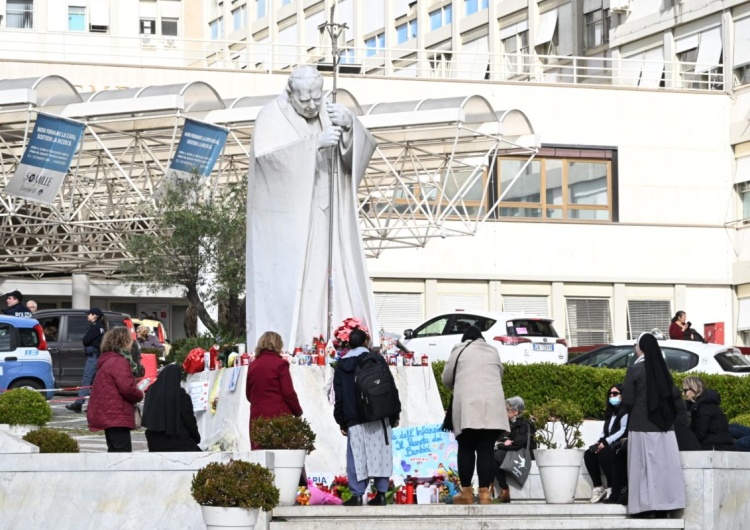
(334, 31)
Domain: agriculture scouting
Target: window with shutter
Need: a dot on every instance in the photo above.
(532, 305)
(589, 321)
(398, 311)
(647, 315)
(450, 303)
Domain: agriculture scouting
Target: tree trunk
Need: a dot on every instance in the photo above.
(195, 299)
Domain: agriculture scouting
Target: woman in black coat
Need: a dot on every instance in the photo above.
(521, 435)
(599, 458)
(707, 420)
(168, 415)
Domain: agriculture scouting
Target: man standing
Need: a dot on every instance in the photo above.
(288, 214)
(16, 308)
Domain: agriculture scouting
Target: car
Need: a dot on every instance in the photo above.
(64, 329)
(681, 356)
(24, 359)
(519, 338)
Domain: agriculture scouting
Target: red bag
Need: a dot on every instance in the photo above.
(194, 362)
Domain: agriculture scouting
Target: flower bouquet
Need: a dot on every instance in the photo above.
(342, 333)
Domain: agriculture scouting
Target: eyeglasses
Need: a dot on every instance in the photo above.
(614, 393)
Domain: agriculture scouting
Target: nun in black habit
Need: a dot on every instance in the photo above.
(168, 415)
(655, 481)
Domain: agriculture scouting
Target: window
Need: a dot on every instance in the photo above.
(238, 18)
(516, 49)
(28, 337)
(286, 2)
(433, 327)
(217, 28)
(374, 45)
(440, 64)
(76, 18)
(589, 321)
(556, 188)
(260, 8)
(441, 17)
(472, 6)
(679, 360)
(20, 14)
(733, 361)
(743, 190)
(646, 315)
(741, 55)
(77, 328)
(5, 337)
(148, 27)
(701, 56)
(406, 31)
(169, 27)
(533, 305)
(397, 312)
(597, 28)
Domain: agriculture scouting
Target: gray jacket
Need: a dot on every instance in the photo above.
(635, 399)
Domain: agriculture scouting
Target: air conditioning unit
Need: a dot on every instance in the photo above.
(147, 41)
(170, 43)
(619, 6)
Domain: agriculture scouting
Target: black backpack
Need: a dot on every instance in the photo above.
(378, 395)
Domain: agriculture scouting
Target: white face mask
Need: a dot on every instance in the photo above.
(614, 401)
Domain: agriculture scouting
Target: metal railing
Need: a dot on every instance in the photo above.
(152, 50)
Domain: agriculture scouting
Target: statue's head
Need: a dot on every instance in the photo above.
(305, 90)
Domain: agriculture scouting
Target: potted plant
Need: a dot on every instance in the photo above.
(559, 454)
(290, 438)
(232, 493)
(23, 410)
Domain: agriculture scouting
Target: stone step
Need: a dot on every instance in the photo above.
(520, 516)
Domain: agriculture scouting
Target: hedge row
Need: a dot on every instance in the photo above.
(588, 387)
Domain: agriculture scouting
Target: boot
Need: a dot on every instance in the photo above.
(466, 496)
(354, 500)
(504, 495)
(377, 500)
(75, 407)
(484, 496)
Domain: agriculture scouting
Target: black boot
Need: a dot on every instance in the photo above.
(377, 500)
(75, 407)
(355, 500)
(622, 497)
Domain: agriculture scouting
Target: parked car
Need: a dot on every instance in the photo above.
(64, 329)
(680, 355)
(24, 359)
(518, 337)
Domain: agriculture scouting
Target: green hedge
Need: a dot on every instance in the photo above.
(587, 386)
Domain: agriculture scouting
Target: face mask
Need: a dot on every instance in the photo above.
(614, 401)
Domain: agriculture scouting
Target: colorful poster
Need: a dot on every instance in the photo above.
(423, 451)
(199, 149)
(47, 158)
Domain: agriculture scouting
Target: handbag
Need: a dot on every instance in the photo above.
(518, 462)
(138, 415)
(447, 425)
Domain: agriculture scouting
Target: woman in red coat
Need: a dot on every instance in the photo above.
(114, 393)
(270, 390)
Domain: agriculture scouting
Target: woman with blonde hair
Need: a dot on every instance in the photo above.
(707, 420)
(270, 390)
(114, 392)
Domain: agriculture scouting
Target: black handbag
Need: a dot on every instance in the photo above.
(447, 425)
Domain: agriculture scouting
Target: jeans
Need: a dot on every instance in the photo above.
(741, 435)
(89, 371)
(358, 487)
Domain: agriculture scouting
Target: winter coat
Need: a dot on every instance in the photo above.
(113, 394)
(477, 383)
(270, 390)
(520, 430)
(92, 340)
(635, 400)
(189, 436)
(19, 310)
(151, 342)
(708, 421)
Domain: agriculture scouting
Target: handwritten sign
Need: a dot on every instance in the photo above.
(198, 391)
(423, 451)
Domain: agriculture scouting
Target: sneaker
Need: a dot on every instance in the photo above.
(597, 494)
(75, 407)
(355, 500)
(607, 494)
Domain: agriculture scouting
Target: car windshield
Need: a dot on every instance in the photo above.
(530, 328)
(733, 361)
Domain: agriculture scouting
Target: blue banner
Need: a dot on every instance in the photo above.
(47, 158)
(199, 149)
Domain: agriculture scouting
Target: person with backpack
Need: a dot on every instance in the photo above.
(367, 406)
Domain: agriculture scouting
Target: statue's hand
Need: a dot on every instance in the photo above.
(329, 137)
(339, 115)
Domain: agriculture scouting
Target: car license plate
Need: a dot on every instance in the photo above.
(543, 347)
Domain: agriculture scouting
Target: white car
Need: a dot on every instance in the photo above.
(681, 356)
(519, 338)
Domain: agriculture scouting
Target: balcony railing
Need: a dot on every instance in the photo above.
(154, 50)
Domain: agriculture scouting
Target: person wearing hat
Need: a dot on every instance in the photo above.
(16, 308)
(92, 341)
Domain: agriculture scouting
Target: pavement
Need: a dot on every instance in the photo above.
(75, 425)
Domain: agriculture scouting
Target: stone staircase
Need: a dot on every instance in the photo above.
(518, 516)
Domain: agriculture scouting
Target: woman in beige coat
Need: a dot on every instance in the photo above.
(475, 374)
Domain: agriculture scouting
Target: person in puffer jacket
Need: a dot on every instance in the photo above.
(707, 420)
(114, 393)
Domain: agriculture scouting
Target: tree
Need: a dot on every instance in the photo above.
(196, 241)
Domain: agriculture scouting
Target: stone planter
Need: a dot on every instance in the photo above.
(217, 517)
(559, 470)
(18, 430)
(287, 469)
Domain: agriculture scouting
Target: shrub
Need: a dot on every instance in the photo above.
(282, 432)
(22, 406)
(556, 411)
(52, 441)
(742, 419)
(235, 484)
